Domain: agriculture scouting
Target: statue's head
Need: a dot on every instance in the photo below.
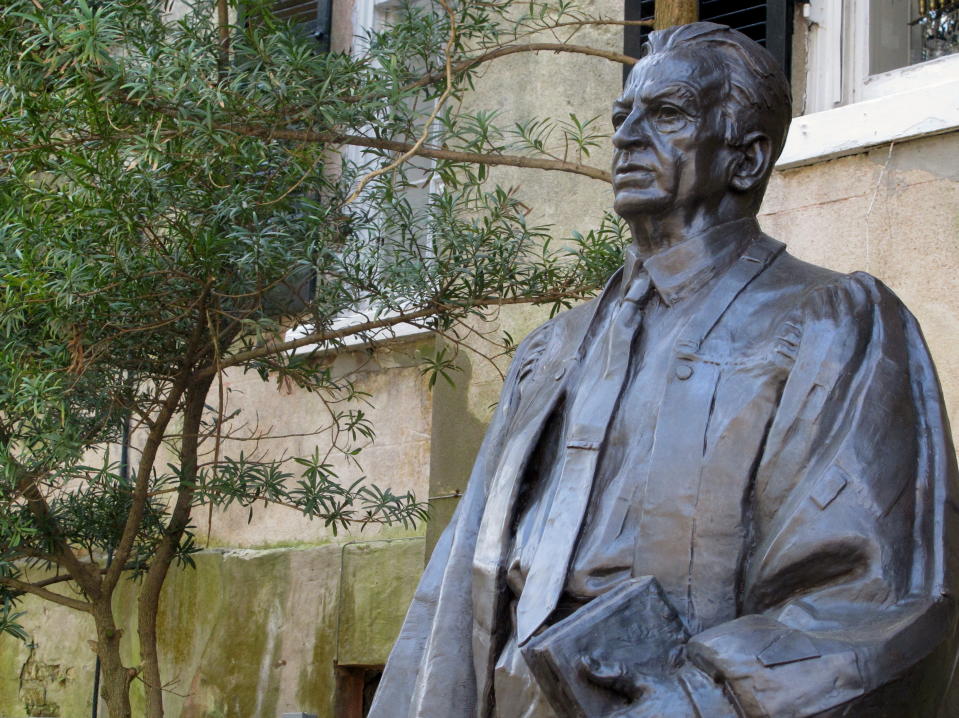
(700, 124)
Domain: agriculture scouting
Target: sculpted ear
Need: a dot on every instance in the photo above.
(755, 156)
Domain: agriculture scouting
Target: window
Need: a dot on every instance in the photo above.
(866, 49)
(372, 15)
(419, 182)
(907, 32)
(877, 71)
(314, 15)
(902, 44)
(634, 36)
(768, 23)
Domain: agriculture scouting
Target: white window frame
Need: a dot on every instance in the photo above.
(366, 15)
(851, 110)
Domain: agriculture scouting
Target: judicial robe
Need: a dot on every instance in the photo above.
(798, 508)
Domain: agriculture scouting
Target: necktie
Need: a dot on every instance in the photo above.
(590, 414)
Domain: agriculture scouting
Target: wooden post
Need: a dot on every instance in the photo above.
(675, 12)
(223, 25)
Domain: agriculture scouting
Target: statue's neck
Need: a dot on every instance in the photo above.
(653, 234)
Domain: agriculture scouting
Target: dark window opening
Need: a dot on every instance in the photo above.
(355, 688)
(635, 35)
(315, 16)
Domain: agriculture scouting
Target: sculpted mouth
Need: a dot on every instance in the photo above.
(632, 167)
(632, 174)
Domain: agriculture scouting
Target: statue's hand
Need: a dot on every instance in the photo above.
(651, 696)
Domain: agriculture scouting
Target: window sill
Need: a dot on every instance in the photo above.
(387, 335)
(854, 128)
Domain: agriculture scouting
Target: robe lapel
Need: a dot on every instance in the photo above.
(538, 397)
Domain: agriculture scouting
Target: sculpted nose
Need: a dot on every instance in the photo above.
(631, 133)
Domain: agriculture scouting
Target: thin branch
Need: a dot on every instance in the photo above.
(28, 486)
(64, 577)
(402, 318)
(529, 47)
(316, 161)
(46, 595)
(583, 23)
(428, 125)
(149, 452)
(223, 32)
(433, 153)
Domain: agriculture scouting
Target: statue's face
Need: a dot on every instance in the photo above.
(670, 153)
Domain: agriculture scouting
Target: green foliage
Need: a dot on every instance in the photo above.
(171, 206)
(8, 621)
(440, 364)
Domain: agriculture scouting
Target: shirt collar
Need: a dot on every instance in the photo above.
(680, 270)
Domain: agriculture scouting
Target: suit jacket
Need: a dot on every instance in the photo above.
(799, 509)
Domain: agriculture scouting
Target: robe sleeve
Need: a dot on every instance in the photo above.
(847, 586)
(430, 669)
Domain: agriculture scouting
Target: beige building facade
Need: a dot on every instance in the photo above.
(281, 615)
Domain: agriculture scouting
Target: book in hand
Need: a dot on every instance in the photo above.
(632, 627)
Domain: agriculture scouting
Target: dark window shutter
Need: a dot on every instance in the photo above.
(767, 22)
(314, 15)
(635, 35)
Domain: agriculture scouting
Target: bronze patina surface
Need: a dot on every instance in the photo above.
(724, 487)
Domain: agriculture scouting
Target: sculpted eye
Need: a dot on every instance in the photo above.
(669, 114)
(618, 119)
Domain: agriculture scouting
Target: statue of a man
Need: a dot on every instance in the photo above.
(724, 487)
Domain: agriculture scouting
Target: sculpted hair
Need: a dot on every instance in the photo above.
(757, 92)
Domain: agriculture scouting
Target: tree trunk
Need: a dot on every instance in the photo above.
(675, 12)
(115, 677)
(148, 603)
(223, 28)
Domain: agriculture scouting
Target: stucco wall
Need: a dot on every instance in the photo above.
(398, 406)
(247, 634)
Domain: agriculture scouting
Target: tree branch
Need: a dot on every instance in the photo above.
(27, 486)
(64, 577)
(433, 153)
(149, 599)
(41, 592)
(150, 449)
(505, 50)
(404, 317)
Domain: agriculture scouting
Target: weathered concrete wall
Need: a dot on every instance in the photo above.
(247, 634)
(52, 675)
(398, 406)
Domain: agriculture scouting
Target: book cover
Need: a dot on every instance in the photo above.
(632, 627)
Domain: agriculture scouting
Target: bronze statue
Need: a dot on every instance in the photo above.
(724, 487)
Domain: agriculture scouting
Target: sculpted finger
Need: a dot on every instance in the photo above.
(613, 676)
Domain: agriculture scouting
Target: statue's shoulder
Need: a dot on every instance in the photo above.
(552, 343)
(563, 327)
(817, 290)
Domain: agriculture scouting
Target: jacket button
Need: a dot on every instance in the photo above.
(683, 372)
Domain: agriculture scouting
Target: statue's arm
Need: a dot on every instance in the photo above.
(847, 583)
(430, 669)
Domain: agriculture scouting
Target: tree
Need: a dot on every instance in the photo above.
(175, 203)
